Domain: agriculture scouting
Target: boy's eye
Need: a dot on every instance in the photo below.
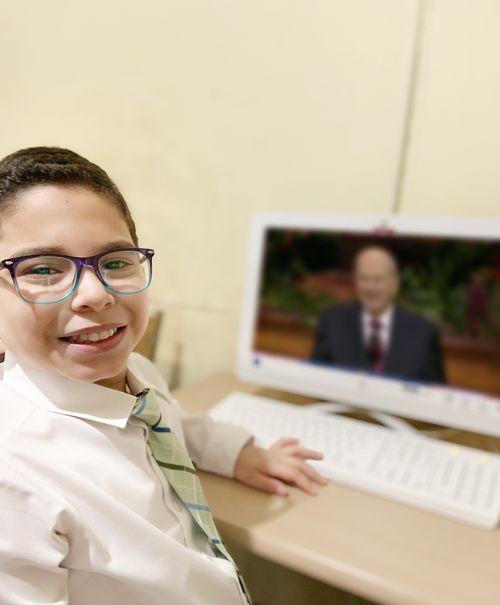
(113, 265)
(43, 270)
(40, 270)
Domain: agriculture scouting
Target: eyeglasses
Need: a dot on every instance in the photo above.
(51, 278)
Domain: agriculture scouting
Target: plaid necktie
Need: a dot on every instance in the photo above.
(174, 461)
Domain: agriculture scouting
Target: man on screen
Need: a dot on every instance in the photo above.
(375, 334)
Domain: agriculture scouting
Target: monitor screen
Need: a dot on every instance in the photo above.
(398, 314)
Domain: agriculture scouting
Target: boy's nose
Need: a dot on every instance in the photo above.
(90, 292)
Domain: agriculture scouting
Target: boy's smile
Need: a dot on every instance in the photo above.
(94, 339)
(88, 336)
(95, 334)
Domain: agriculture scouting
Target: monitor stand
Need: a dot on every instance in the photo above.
(388, 420)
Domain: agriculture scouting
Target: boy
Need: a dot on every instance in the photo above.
(92, 507)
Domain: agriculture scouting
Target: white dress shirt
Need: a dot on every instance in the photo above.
(384, 332)
(86, 515)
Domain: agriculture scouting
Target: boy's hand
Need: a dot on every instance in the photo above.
(283, 463)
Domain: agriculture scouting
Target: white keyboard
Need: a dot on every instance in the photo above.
(451, 480)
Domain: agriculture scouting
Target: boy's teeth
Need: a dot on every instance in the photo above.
(93, 336)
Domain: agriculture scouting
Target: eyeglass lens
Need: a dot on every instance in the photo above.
(50, 278)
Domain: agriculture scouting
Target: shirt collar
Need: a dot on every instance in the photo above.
(62, 395)
(385, 319)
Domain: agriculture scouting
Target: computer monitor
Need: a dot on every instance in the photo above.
(306, 313)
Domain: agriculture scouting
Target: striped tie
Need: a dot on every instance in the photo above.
(179, 471)
(375, 348)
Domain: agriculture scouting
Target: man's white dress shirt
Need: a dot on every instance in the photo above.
(86, 515)
(385, 327)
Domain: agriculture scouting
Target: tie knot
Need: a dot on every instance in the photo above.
(146, 408)
(375, 324)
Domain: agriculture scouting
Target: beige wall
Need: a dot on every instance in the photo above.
(453, 164)
(205, 111)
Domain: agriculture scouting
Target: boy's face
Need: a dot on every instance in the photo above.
(77, 222)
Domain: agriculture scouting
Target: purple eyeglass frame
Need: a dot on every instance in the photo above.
(80, 262)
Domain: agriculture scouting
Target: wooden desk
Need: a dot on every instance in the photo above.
(363, 544)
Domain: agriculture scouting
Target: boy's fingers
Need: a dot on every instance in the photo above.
(312, 474)
(274, 486)
(285, 442)
(299, 474)
(267, 483)
(302, 482)
(291, 444)
(306, 478)
(302, 452)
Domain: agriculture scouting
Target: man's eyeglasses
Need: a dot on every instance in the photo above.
(51, 278)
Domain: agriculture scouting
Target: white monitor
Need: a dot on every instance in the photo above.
(303, 329)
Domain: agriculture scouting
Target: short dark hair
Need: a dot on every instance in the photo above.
(34, 166)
